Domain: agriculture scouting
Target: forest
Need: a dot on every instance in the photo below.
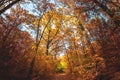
(59, 39)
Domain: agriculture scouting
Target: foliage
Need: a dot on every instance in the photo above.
(84, 32)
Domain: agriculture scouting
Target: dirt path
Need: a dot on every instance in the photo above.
(62, 76)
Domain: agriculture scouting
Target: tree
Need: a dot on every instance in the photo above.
(15, 46)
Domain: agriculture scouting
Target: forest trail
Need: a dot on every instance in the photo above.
(62, 76)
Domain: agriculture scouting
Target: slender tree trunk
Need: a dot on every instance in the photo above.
(31, 68)
(48, 43)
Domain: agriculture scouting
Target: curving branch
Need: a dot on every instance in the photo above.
(10, 4)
